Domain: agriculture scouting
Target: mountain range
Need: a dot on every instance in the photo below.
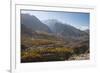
(32, 24)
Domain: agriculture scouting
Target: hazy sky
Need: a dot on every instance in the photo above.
(78, 20)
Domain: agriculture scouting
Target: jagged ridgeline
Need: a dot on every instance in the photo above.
(51, 40)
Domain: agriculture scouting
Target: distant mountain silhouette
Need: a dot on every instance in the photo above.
(64, 30)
